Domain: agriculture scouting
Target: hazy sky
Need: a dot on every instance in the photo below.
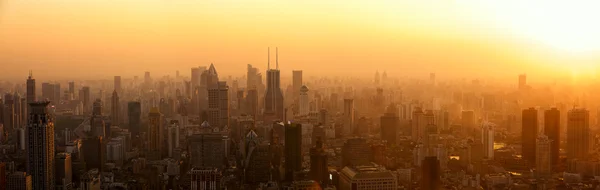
(99, 38)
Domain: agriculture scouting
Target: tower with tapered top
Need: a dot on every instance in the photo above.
(274, 95)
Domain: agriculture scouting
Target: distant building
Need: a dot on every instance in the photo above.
(274, 96)
(430, 173)
(529, 134)
(543, 163)
(155, 134)
(348, 117)
(487, 139)
(173, 138)
(293, 150)
(40, 151)
(296, 82)
(94, 152)
(19, 181)
(303, 102)
(552, 131)
(115, 109)
(134, 114)
(208, 150)
(356, 152)
(389, 125)
(367, 177)
(205, 178)
(522, 82)
(218, 105)
(578, 134)
(318, 163)
(418, 125)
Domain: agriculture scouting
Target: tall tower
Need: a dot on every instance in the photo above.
(297, 82)
(552, 131)
(529, 134)
(389, 124)
(114, 108)
(318, 162)
(348, 116)
(64, 171)
(218, 105)
(155, 134)
(84, 96)
(543, 163)
(40, 146)
(304, 102)
(578, 134)
(430, 171)
(487, 139)
(134, 114)
(293, 150)
(117, 84)
(418, 124)
(274, 95)
(71, 90)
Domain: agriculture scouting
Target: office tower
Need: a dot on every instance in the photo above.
(293, 150)
(48, 91)
(2, 176)
(296, 83)
(57, 94)
(303, 102)
(543, 163)
(208, 150)
(377, 78)
(522, 82)
(348, 117)
(195, 101)
(71, 90)
(318, 162)
(367, 177)
(173, 139)
(356, 152)
(430, 173)
(155, 134)
(84, 95)
(64, 173)
(195, 78)
(578, 133)
(98, 127)
(134, 114)
(487, 139)
(529, 134)
(252, 102)
(93, 152)
(418, 125)
(117, 84)
(8, 113)
(389, 124)
(115, 108)
(19, 181)
(274, 96)
(147, 80)
(30, 91)
(257, 163)
(218, 105)
(40, 151)
(205, 179)
(552, 131)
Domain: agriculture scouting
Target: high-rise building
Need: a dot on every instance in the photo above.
(94, 152)
(208, 150)
(40, 146)
(318, 162)
(529, 134)
(578, 133)
(487, 139)
(19, 181)
(147, 80)
(2, 176)
(30, 92)
(468, 119)
(48, 91)
(155, 134)
(134, 114)
(84, 96)
(297, 82)
(418, 125)
(356, 152)
(173, 139)
(115, 109)
(71, 90)
(522, 82)
(389, 125)
(117, 84)
(304, 102)
(543, 163)
(274, 96)
(348, 117)
(218, 105)
(430, 171)
(57, 94)
(205, 178)
(64, 174)
(252, 102)
(9, 114)
(293, 150)
(552, 131)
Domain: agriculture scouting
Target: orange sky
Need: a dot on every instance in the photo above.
(96, 38)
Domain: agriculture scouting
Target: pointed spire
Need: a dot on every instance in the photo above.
(30, 74)
(276, 59)
(268, 58)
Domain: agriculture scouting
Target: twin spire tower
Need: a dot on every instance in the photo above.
(269, 59)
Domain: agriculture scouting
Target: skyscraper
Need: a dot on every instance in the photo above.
(84, 95)
(71, 90)
(303, 103)
(430, 171)
(578, 133)
(48, 92)
(389, 124)
(296, 82)
(117, 84)
(155, 134)
(318, 162)
(487, 139)
(30, 91)
(218, 105)
(552, 131)
(134, 114)
(418, 125)
(208, 150)
(293, 150)
(543, 163)
(115, 108)
(274, 96)
(356, 152)
(40, 151)
(252, 102)
(522, 82)
(64, 174)
(529, 135)
(348, 117)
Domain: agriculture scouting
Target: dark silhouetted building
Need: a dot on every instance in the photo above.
(552, 131)
(93, 152)
(318, 163)
(529, 135)
(134, 114)
(19, 181)
(430, 173)
(64, 171)
(389, 125)
(356, 152)
(40, 146)
(293, 150)
(274, 95)
(115, 109)
(155, 135)
(218, 105)
(578, 134)
(2, 176)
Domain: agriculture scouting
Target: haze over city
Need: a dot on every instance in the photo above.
(299, 95)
